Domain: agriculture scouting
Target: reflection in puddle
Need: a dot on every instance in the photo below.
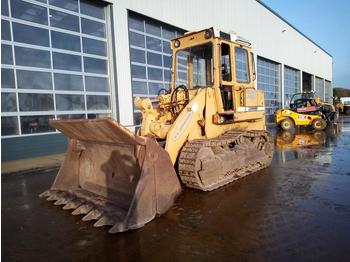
(344, 123)
(286, 140)
(304, 143)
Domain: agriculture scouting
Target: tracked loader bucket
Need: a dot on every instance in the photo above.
(112, 176)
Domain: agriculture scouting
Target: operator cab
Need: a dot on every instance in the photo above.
(304, 103)
(197, 57)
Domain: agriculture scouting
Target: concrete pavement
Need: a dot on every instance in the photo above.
(298, 209)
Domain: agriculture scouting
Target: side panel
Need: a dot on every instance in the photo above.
(298, 119)
(254, 97)
(256, 117)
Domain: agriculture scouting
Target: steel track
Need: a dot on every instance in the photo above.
(188, 162)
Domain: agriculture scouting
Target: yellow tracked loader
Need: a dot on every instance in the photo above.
(210, 126)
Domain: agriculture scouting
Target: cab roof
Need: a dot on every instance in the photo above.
(212, 32)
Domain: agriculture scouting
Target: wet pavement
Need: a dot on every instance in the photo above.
(296, 210)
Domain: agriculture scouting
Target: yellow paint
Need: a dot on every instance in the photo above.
(290, 141)
(204, 116)
(301, 119)
(298, 118)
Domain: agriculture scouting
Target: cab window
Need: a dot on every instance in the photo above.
(242, 71)
(197, 63)
(225, 63)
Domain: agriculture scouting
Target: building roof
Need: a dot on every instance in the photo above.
(280, 17)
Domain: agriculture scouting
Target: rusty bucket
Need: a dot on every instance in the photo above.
(112, 176)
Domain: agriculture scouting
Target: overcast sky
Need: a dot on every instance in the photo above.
(326, 22)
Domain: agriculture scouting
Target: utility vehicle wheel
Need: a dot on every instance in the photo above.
(320, 136)
(319, 124)
(287, 136)
(287, 124)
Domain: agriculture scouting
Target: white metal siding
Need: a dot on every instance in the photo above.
(271, 37)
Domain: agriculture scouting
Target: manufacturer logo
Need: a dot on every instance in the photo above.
(182, 125)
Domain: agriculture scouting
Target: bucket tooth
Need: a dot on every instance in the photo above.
(59, 202)
(117, 228)
(45, 194)
(83, 209)
(93, 215)
(53, 197)
(64, 200)
(73, 204)
(107, 220)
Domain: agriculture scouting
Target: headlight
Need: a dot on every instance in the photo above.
(208, 34)
(177, 43)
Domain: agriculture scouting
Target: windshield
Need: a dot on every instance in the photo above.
(194, 66)
(298, 96)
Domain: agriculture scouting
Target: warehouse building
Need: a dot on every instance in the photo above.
(67, 59)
